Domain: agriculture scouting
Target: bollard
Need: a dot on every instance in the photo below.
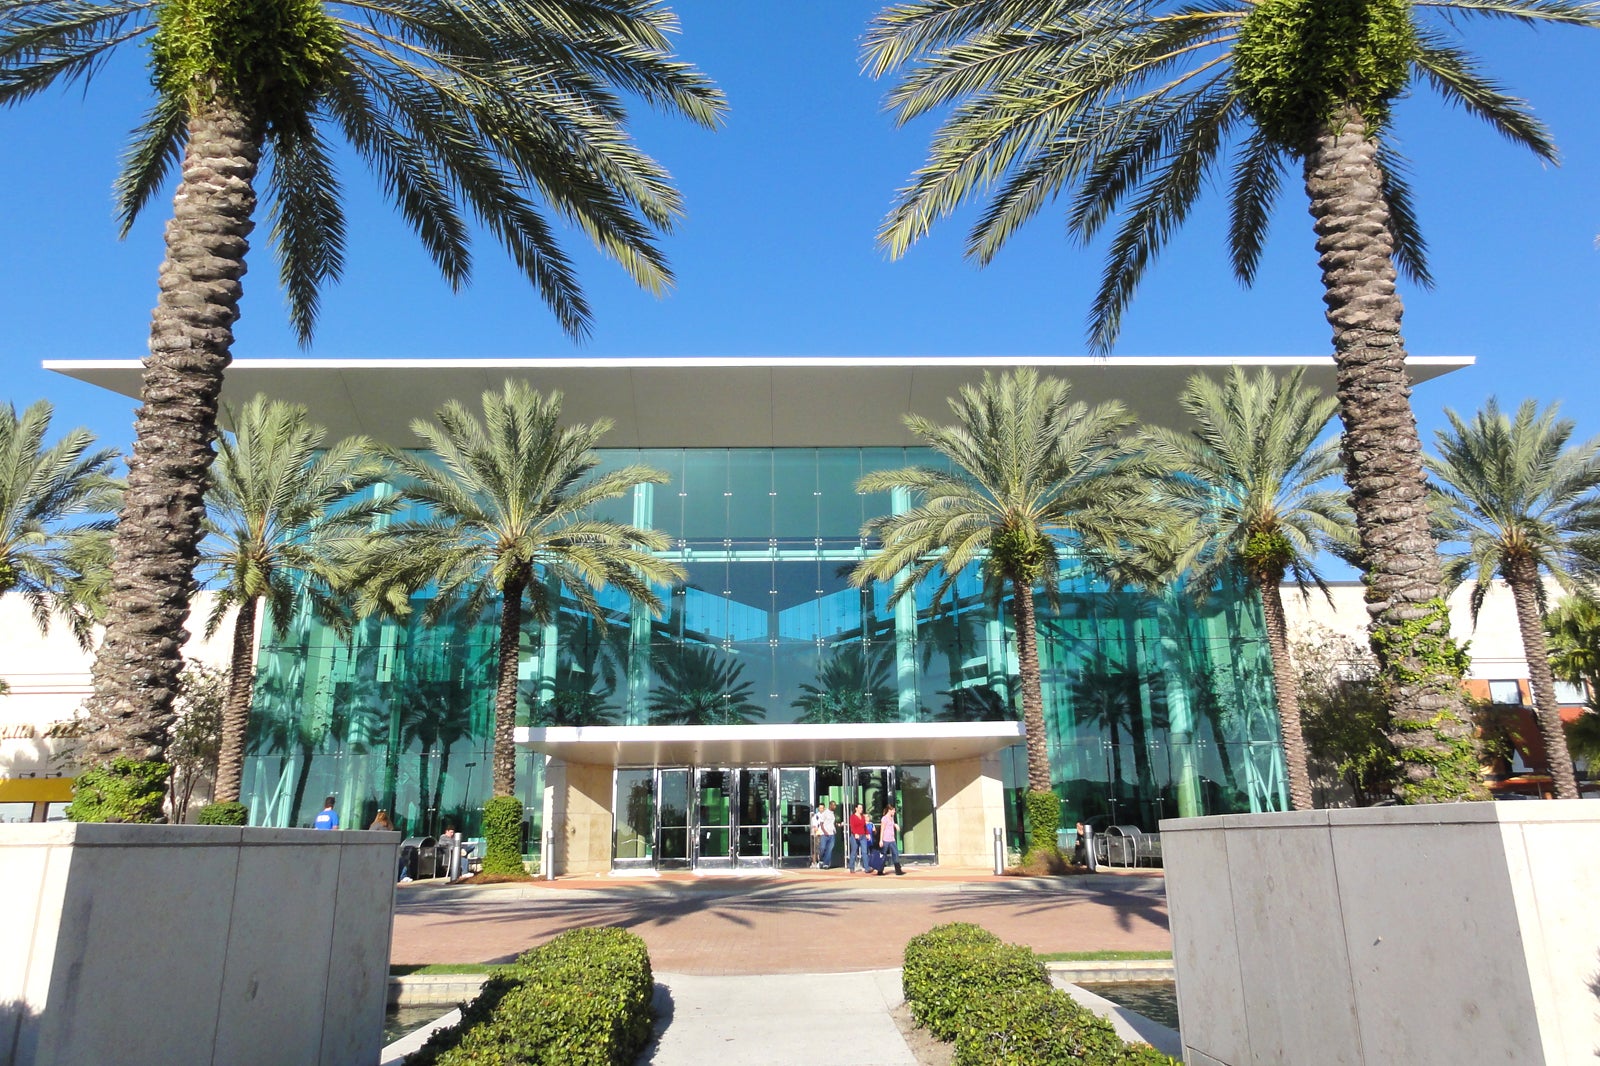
(999, 852)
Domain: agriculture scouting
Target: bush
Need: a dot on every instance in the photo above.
(1034, 1025)
(949, 968)
(502, 837)
(995, 1001)
(582, 999)
(126, 790)
(223, 814)
(1044, 818)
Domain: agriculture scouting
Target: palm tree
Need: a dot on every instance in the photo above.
(1029, 469)
(853, 685)
(1248, 480)
(1512, 498)
(56, 567)
(697, 686)
(504, 112)
(281, 521)
(1133, 109)
(509, 501)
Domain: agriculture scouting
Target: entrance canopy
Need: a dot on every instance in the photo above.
(773, 402)
(771, 745)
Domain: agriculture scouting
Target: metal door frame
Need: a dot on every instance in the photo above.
(728, 859)
(687, 862)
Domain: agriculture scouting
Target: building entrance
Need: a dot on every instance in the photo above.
(753, 817)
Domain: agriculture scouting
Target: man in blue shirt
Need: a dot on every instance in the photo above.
(328, 819)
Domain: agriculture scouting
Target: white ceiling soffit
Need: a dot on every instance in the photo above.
(709, 403)
(771, 745)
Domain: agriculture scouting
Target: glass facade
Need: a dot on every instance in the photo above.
(1155, 706)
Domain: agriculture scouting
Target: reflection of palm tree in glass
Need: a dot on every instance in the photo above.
(697, 686)
(1106, 694)
(977, 703)
(436, 715)
(585, 681)
(853, 686)
(290, 735)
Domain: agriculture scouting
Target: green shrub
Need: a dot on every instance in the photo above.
(1044, 818)
(1034, 1025)
(125, 790)
(1145, 1055)
(223, 814)
(502, 837)
(951, 967)
(583, 999)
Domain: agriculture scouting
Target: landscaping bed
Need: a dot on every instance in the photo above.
(995, 1003)
(583, 999)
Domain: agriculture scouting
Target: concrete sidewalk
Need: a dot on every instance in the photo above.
(779, 1020)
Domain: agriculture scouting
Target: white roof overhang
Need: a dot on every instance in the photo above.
(771, 745)
(709, 402)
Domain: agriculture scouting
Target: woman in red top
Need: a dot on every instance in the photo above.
(859, 839)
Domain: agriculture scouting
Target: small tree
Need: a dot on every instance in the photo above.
(196, 733)
(1343, 714)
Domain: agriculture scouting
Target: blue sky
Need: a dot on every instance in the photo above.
(777, 254)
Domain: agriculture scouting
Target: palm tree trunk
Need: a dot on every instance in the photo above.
(236, 706)
(1032, 693)
(505, 693)
(1523, 577)
(1410, 630)
(191, 336)
(1288, 691)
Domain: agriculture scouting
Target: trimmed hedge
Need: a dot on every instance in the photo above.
(1044, 818)
(950, 967)
(582, 999)
(996, 1002)
(1034, 1025)
(223, 814)
(502, 837)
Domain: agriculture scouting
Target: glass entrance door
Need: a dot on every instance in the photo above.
(713, 819)
(755, 817)
(672, 826)
(872, 789)
(794, 815)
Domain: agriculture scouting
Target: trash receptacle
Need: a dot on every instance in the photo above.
(418, 858)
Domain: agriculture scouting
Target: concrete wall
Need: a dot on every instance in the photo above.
(144, 944)
(1420, 935)
(971, 808)
(577, 817)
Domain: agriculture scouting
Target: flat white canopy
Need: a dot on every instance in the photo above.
(709, 402)
(771, 745)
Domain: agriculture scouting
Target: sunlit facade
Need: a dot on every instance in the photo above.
(703, 736)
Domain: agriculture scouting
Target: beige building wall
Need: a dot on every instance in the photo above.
(971, 807)
(1494, 642)
(48, 675)
(577, 817)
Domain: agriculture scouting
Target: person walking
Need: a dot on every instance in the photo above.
(889, 841)
(329, 818)
(816, 833)
(830, 830)
(382, 822)
(860, 837)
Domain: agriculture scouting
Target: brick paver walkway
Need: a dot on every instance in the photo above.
(800, 922)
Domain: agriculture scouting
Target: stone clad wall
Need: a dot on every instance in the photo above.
(140, 944)
(1440, 935)
(971, 808)
(577, 815)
